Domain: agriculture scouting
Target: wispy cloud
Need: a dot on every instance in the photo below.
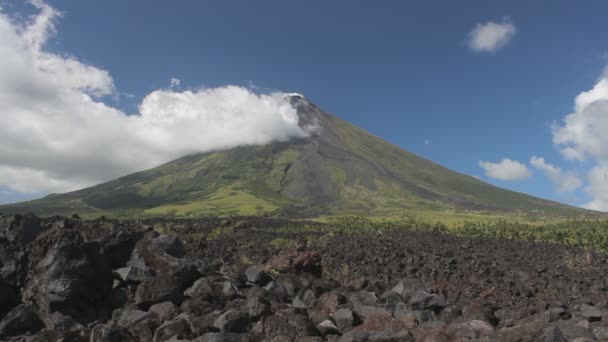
(506, 170)
(563, 181)
(491, 36)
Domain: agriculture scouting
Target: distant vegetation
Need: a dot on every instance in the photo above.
(583, 233)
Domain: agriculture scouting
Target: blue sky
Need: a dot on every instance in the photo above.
(405, 71)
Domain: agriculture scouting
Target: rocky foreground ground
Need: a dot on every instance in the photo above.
(230, 280)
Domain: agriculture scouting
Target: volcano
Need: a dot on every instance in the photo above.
(339, 169)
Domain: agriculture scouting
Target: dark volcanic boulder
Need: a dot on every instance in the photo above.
(68, 275)
(8, 298)
(22, 319)
(232, 321)
(21, 229)
(120, 247)
(161, 254)
(289, 325)
(165, 287)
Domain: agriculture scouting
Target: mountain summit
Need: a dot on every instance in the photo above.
(338, 169)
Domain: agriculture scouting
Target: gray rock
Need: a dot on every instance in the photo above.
(164, 287)
(327, 327)
(571, 330)
(257, 306)
(204, 324)
(365, 310)
(601, 333)
(345, 319)
(133, 274)
(68, 275)
(172, 330)
(363, 298)
(354, 336)
(161, 254)
(222, 337)
(162, 312)
(552, 334)
(19, 321)
(277, 292)
(201, 289)
(389, 336)
(556, 314)
(407, 287)
(168, 244)
(129, 318)
(257, 275)
(232, 321)
(423, 300)
(591, 313)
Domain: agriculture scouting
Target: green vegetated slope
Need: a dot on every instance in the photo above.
(339, 170)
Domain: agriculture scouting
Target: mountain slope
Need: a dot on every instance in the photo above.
(340, 169)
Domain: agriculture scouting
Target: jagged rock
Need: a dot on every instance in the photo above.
(277, 292)
(552, 334)
(389, 336)
(8, 298)
(162, 312)
(325, 307)
(223, 337)
(68, 275)
(571, 330)
(405, 315)
(345, 319)
(556, 314)
(327, 327)
(468, 331)
(354, 336)
(523, 332)
(162, 254)
(601, 333)
(165, 287)
(232, 321)
(407, 287)
(110, 333)
(21, 229)
(293, 326)
(133, 274)
(257, 275)
(201, 289)
(204, 324)
(62, 323)
(426, 301)
(380, 321)
(172, 330)
(363, 311)
(257, 306)
(19, 321)
(591, 313)
(196, 307)
(130, 318)
(120, 247)
(212, 288)
(13, 264)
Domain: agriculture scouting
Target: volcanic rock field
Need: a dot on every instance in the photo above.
(262, 279)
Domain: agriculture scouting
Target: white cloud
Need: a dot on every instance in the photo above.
(581, 136)
(56, 135)
(491, 36)
(563, 181)
(598, 188)
(174, 83)
(506, 169)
